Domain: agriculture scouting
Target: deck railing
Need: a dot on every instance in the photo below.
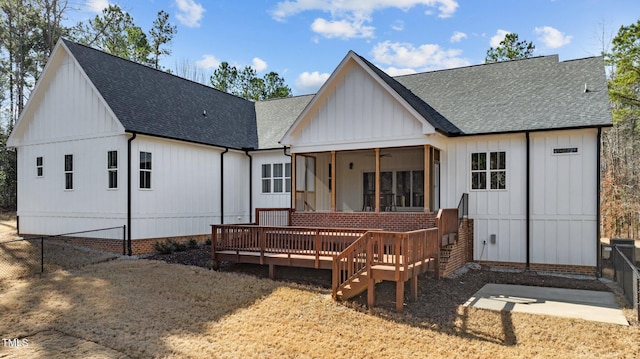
(273, 216)
(403, 251)
(463, 208)
(282, 240)
(447, 223)
(350, 263)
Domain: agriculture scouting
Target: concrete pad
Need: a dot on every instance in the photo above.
(569, 303)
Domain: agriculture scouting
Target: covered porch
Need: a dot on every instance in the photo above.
(393, 179)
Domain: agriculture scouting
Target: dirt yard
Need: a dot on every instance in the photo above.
(145, 308)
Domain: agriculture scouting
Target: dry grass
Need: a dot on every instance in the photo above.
(154, 309)
(22, 258)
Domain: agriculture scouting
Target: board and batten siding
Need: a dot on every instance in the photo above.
(184, 198)
(499, 212)
(268, 200)
(356, 113)
(563, 197)
(67, 116)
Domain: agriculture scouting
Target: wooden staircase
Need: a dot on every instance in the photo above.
(353, 286)
(392, 256)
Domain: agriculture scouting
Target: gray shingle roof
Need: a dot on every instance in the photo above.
(274, 118)
(532, 94)
(152, 102)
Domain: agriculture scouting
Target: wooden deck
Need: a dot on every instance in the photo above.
(358, 258)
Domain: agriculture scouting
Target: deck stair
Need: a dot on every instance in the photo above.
(359, 258)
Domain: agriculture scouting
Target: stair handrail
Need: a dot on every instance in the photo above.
(350, 263)
(463, 208)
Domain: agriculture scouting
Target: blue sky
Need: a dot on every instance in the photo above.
(304, 40)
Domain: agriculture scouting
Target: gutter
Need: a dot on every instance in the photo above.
(246, 152)
(226, 149)
(133, 137)
(598, 209)
(528, 201)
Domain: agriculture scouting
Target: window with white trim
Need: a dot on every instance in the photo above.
(39, 166)
(490, 174)
(276, 178)
(145, 170)
(68, 172)
(112, 169)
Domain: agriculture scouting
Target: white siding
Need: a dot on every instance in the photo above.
(45, 207)
(66, 116)
(563, 192)
(356, 112)
(184, 198)
(563, 197)
(499, 212)
(66, 107)
(268, 200)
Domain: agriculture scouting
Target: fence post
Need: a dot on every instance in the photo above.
(41, 255)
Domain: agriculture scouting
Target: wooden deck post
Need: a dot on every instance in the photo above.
(399, 296)
(377, 192)
(215, 264)
(294, 192)
(333, 181)
(414, 287)
(427, 178)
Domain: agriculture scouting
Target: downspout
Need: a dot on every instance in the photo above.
(528, 201)
(226, 149)
(598, 216)
(129, 193)
(246, 152)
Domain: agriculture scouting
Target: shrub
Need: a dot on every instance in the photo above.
(192, 243)
(179, 246)
(164, 247)
(208, 241)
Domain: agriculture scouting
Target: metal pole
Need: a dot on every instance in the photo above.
(41, 255)
(124, 240)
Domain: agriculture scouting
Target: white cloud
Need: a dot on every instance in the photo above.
(458, 36)
(349, 16)
(97, 5)
(394, 71)
(404, 56)
(398, 25)
(342, 29)
(310, 82)
(498, 37)
(258, 64)
(551, 37)
(208, 62)
(189, 12)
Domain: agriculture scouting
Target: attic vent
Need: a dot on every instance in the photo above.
(565, 151)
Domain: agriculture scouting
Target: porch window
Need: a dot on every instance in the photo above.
(68, 172)
(410, 188)
(276, 178)
(494, 173)
(145, 170)
(39, 167)
(112, 169)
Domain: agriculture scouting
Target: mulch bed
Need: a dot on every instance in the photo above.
(438, 299)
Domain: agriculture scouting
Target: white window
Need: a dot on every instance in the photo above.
(145, 170)
(276, 178)
(68, 172)
(39, 167)
(493, 173)
(112, 169)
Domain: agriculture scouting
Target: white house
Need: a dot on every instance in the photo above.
(520, 137)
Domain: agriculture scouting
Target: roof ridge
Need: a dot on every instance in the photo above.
(479, 65)
(67, 41)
